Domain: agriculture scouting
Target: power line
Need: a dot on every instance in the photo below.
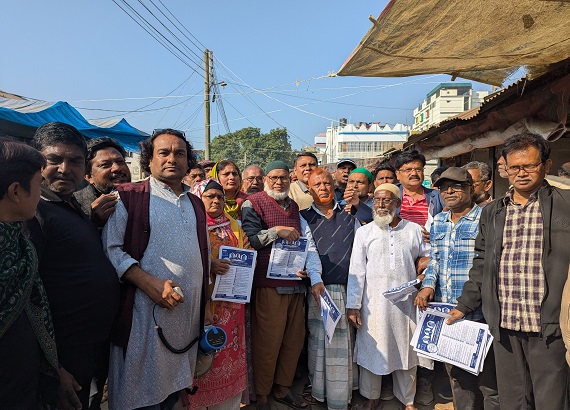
(159, 34)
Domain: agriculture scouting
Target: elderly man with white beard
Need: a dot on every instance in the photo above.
(384, 255)
(278, 319)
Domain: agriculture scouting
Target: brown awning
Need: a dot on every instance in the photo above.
(480, 40)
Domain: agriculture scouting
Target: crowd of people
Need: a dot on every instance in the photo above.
(106, 284)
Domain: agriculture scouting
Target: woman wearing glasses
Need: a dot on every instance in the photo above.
(228, 174)
(222, 386)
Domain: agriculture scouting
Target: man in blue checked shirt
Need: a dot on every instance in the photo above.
(453, 236)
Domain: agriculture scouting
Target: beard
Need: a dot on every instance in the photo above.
(323, 201)
(382, 221)
(278, 196)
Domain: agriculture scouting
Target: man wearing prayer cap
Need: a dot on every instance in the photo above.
(384, 255)
(358, 202)
(278, 319)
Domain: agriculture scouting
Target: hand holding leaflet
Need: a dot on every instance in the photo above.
(287, 258)
(463, 344)
(330, 313)
(235, 285)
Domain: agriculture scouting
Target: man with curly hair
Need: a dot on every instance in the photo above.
(157, 241)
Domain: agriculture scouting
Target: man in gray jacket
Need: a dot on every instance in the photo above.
(517, 278)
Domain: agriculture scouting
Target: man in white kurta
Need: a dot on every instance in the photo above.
(384, 256)
(147, 373)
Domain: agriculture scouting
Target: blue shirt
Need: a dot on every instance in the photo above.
(451, 256)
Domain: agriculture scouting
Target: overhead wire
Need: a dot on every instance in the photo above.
(170, 31)
(192, 67)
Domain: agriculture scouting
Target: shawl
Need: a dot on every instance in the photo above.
(21, 290)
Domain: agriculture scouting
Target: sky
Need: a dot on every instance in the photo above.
(275, 57)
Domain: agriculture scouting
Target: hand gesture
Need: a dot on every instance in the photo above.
(354, 318)
(220, 266)
(455, 315)
(423, 298)
(288, 233)
(103, 207)
(163, 294)
(317, 290)
(66, 391)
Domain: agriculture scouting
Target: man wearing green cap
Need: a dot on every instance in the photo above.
(278, 319)
(358, 202)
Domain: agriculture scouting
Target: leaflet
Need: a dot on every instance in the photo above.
(235, 286)
(331, 315)
(463, 344)
(287, 258)
(401, 292)
(439, 306)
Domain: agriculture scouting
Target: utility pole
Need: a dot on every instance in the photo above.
(207, 82)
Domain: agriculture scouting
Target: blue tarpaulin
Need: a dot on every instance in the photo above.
(21, 117)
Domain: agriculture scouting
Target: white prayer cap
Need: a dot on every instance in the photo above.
(389, 187)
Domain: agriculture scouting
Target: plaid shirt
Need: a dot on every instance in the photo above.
(451, 257)
(521, 281)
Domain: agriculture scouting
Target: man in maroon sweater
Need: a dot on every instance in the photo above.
(278, 321)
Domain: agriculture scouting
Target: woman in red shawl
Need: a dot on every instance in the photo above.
(222, 386)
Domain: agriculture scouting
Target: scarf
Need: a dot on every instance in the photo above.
(220, 226)
(21, 289)
(231, 205)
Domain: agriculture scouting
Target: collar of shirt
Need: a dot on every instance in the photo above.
(303, 187)
(410, 199)
(49, 195)
(156, 184)
(533, 197)
(336, 205)
(471, 215)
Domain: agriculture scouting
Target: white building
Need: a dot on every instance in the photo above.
(321, 147)
(365, 140)
(444, 101)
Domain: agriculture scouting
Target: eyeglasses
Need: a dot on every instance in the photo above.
(383, 201)
(410, 170)
(170, 131)
(529, 169)
(251, 179)
(454, 187)
(275, 179)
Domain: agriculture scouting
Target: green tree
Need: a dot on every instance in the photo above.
(250, 146)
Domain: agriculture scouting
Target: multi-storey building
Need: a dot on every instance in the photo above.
(444, 101)
(365, 140)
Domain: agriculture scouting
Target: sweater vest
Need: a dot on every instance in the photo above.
(334, 238)
(271, 215)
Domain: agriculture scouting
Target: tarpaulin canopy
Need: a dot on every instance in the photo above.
(20, 117)
(481, 40)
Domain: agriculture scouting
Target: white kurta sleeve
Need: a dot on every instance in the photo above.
(356, 271)
(113, 238)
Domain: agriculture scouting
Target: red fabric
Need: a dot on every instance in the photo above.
(415, 211)
(272, 215)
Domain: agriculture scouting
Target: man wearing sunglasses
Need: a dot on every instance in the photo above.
(452, 249)
(157, 241)
(518, 274)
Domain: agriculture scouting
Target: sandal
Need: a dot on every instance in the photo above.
(309, 399)
(290, 401)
